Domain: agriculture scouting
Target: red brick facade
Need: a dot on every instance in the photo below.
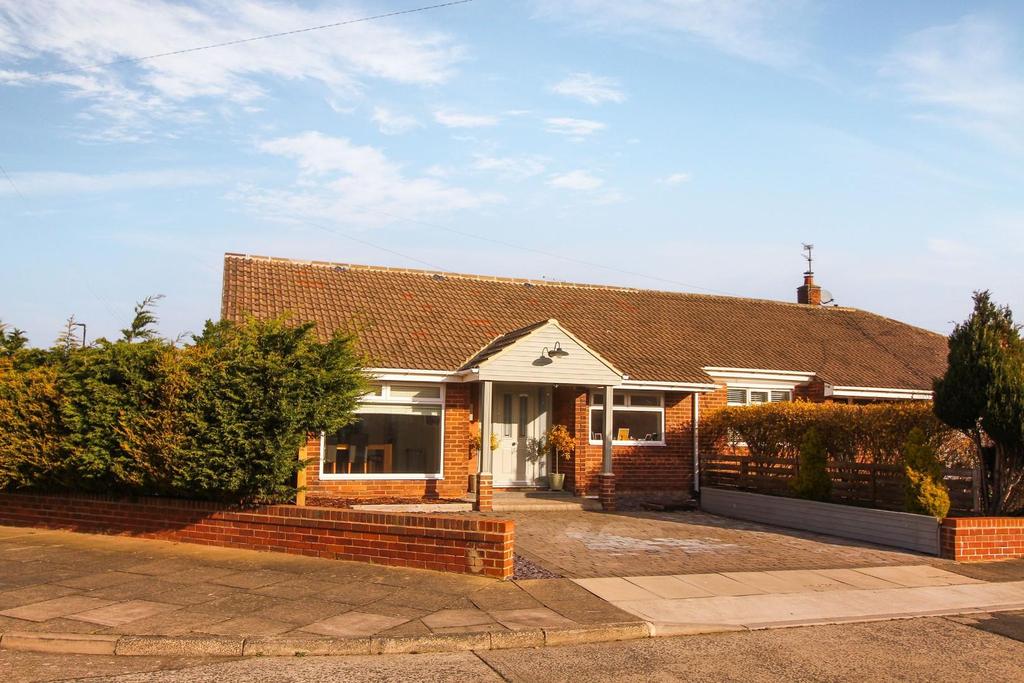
(463, 544)
(638, 469)
(981, 539)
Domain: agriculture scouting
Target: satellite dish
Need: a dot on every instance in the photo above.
(826, 297)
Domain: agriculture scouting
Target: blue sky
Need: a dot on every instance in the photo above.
(670, 144)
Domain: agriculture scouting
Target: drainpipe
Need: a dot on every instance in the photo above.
(696, 443)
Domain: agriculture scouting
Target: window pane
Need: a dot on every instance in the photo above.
(628, 425)
(376, 389)
(635, 425)
(597, 398)
(758, 396)
(391, 442)
(737, 397)
(619, 398)
(410, 391)
(596, 424)
(780, 396)
(644, 400)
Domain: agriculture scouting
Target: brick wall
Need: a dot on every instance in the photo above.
(638, 469)
(464, 544)
(982, 539)
(456, 469)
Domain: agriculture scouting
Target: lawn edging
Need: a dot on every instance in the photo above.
(883, 527)
(465, 544)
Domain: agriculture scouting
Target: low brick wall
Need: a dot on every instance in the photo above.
(463, 544)
(982, 539)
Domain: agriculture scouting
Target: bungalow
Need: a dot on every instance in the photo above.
(468, 370)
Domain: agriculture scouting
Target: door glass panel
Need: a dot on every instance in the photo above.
(524, 403)
(506, 415)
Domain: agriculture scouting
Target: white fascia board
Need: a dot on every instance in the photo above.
(415, 375)
(640, 385)
(759, 374)
(882, 392)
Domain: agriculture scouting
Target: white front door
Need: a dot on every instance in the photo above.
(519, 416)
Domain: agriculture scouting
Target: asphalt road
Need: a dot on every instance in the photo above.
(960, 649)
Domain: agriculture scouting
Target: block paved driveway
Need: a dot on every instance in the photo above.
(580, 544)
(56, 581)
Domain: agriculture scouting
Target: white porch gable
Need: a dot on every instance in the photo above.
(542, 353)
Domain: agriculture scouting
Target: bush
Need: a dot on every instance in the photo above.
(222, 418)
(867, 433)
(924, 491)
(812, 480)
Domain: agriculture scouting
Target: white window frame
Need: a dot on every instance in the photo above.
(626, 405)
(767, 390)
(385, 398)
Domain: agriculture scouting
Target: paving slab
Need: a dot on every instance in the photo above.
(917, 576)
(523, 619)
(354, 624)
(856, 579)
(668, 587)
(58, 607)
(615, 589)
(121, 613)
(457, 617)
(717, 584)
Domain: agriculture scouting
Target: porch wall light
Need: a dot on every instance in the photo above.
(558, 351)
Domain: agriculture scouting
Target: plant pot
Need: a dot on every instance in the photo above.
(556, 480)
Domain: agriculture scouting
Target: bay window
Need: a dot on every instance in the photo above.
(637, 418)
(396, 434)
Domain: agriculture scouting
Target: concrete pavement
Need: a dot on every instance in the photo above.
(693, 603)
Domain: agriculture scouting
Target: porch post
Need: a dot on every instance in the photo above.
(606, 480)
(485, 482)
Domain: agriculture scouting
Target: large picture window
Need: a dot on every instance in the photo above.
(637, 418)
(397, 434)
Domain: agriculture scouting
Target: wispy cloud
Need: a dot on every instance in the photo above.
(576, 129)
(51, 183)
(963, 74)
(590, 88)
(60, 34)
(515, 168)
(760, 31)
(676, 179)
(340, 181)
(390, 123)
(576, 180)
(455, 119)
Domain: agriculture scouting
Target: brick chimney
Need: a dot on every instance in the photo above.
(809, 293)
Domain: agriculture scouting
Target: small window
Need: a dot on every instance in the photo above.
(413, 392)
(737, 397)
(780, 396)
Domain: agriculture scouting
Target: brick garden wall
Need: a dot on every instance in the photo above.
(981, 539)
(456, 470)
(462, 544)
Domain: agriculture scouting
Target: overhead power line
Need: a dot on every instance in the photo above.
(555, 255)
(241, 41)
(13, 186)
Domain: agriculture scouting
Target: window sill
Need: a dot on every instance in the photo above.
(629, 443)
(380, 477)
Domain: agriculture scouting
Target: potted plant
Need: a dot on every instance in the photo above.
(561, 444)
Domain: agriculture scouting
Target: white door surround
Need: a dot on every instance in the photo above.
(519, 417)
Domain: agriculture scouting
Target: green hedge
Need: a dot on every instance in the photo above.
(221, 418)
(874, 432)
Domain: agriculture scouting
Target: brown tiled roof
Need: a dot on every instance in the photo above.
(438, 321)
